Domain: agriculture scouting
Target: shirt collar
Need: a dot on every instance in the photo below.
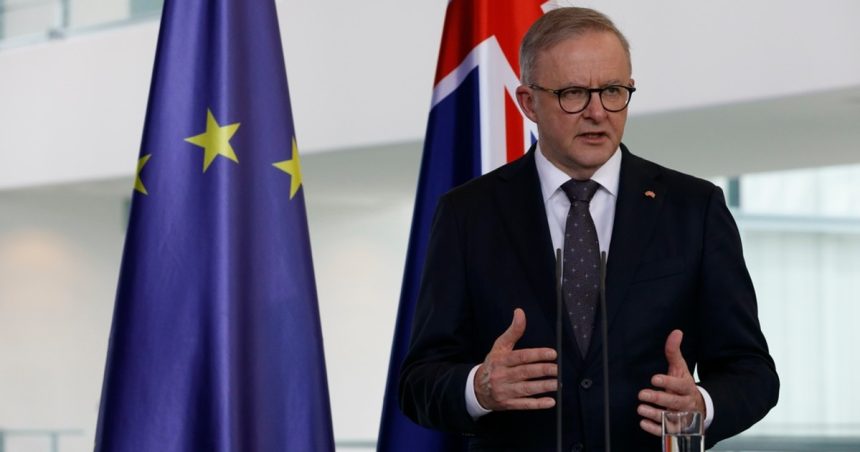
(551, 178)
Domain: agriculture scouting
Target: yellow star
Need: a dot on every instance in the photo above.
(138, 184)
(293, 168)
(215, 141)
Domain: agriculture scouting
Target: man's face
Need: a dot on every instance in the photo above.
(578, 143)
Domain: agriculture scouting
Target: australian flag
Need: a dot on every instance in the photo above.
(216, 341)
(474, 127)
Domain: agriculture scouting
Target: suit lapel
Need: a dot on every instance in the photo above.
(520, 201)
(640, 198)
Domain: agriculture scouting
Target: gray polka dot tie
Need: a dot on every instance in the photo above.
(581, 277)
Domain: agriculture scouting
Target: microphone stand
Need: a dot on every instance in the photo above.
(605, 328)
(558, 340)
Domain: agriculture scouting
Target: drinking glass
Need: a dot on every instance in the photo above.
(683, 431)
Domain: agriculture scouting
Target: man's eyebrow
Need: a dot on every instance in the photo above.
(602, 85)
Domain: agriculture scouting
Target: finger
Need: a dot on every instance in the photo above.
(496, 395)
(528, 403)
(676, 385)
(677, 364)
(511, 391)
(532, 371)
(528, 355)
(514, 332)
(530, 388)
(664, 399)
(651, 427)
(650, 413)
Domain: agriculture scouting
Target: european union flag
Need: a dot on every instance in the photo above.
(216, 341)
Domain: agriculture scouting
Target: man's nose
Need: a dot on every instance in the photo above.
(595, 109)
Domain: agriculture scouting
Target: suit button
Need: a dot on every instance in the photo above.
(578, 447)
(585, 383)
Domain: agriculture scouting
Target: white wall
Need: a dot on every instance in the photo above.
(73, 109)
(60, 250)
(85, 13)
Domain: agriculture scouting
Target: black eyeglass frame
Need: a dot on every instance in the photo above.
(599, 91)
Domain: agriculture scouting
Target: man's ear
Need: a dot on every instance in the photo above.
(526, 99)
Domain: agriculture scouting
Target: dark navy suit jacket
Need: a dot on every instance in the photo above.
(675, 261)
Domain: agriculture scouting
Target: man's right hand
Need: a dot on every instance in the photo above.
(509, 378)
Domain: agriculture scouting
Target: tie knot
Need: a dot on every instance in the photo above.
(580, 190)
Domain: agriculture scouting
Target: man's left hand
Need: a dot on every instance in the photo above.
(676, 390)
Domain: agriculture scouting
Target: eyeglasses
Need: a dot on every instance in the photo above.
(574, 99)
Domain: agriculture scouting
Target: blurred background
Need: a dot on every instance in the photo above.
(761, 97)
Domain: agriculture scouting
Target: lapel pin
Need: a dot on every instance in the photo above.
(650, 194)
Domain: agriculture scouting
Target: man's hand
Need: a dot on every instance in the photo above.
(678, 391)
(509, 378)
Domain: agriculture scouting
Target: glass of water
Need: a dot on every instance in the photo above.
(683, 431)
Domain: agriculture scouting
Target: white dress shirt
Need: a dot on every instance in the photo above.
(557, 204)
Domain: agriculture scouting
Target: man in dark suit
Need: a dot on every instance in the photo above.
(675, 265)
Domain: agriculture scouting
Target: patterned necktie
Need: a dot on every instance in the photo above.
(581, 279)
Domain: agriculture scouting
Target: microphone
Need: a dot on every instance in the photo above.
(559, 337)
(605, 328)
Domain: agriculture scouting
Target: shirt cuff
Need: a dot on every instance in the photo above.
(709, 406)
(472, 405)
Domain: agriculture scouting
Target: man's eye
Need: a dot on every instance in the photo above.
(574, 93)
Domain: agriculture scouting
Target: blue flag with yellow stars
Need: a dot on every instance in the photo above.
(216, 341)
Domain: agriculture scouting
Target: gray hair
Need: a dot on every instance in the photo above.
(558, 25)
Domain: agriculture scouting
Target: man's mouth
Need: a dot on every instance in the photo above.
(592, 136)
